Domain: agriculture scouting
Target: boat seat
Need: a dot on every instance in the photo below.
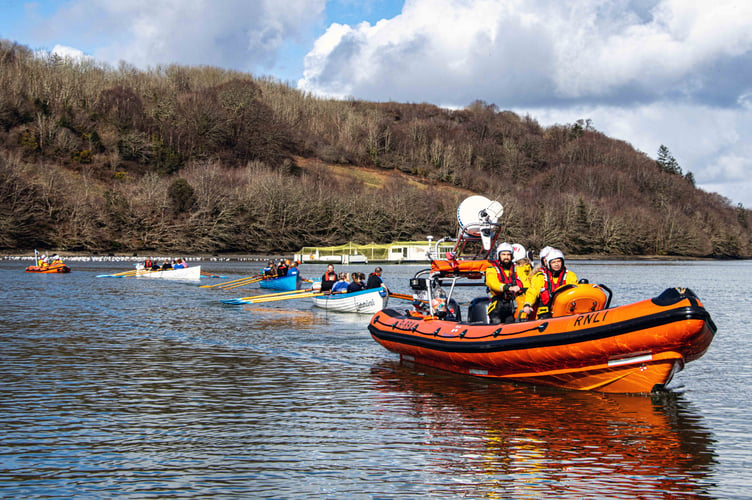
(454, 313)
(477, 313)
(578, 299)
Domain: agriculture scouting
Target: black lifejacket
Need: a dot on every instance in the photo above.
(328, 280)
(374, 281)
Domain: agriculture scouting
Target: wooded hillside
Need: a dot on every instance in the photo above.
(204, 160)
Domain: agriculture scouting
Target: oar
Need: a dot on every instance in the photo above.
(271, 299)
(278, 294)
(242, 283)
(232, 281)
(402, 296)
(210, 275)
(274, 299)
(118, 275)
(229, 282)
(141, 272)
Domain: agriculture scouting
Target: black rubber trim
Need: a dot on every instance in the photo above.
(433, 342)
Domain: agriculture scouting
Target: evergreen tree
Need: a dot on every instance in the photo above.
(667, 162)
(741, 215)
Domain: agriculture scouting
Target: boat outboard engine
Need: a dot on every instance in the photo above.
(478, 311)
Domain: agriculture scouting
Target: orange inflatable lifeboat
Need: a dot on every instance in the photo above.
(57, 267)
(585, 345)
(633, 348)
(52, 268)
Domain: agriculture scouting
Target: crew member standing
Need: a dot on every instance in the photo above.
(328, 279)
(504, 284)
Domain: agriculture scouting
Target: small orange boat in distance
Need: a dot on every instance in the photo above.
(52, 268)
(586, 345)
(45, 267)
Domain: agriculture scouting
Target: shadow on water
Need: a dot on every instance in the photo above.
(534, 441)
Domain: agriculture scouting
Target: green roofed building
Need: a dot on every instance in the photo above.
(353, 253)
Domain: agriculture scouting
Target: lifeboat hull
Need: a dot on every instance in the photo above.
(635, 348)
(53, 269)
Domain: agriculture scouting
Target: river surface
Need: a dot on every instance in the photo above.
(139, 388)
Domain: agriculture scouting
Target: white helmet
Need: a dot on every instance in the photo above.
(504, 247)
(518, 252)
(554, 254)
(544, 253)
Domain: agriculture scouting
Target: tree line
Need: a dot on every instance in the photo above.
(205, 160)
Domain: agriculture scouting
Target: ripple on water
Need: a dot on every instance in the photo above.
(127, 388)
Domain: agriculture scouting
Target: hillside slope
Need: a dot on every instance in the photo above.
(208, 160)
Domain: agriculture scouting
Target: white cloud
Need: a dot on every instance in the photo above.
(714, 144)
(69, 53)
(246, 35)
(650, 72)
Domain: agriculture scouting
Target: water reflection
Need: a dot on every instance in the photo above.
(533, 441)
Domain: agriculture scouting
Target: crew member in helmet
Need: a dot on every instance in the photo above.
(504, 285)
(544, 284)
(542, 264)
(522, 260)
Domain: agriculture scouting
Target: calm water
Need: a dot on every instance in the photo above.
(135, 388)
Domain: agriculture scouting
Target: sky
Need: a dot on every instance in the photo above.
(649, 72)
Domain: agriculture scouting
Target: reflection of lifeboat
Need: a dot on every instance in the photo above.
(630, 348)
(52, 268)
(551, 443)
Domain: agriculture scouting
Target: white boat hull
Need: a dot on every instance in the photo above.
(185, 274)
(365, 302)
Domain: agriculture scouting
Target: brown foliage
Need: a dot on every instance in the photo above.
(93, 158)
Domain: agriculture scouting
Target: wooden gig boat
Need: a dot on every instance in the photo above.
(185, 274)
(52, 268)
(282, 283)
(367, 301)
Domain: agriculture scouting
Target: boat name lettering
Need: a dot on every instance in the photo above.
(364, 304)
(405, 324)
(586, 319)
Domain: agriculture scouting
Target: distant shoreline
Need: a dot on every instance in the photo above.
(88, 257)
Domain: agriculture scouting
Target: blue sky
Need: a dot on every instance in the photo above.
(648, 72)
